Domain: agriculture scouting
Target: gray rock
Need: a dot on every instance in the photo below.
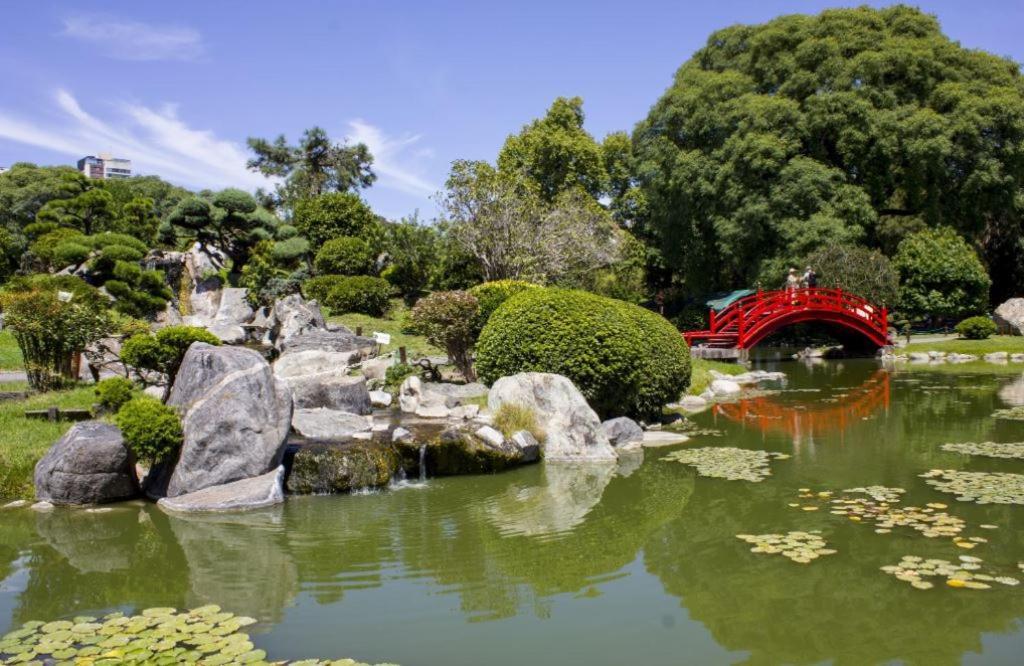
(323, 423)
(42, 506)
(401, 434)
(330, 390)
(341, 468)
(435, 399)
(455, 451)
(490, 436)
(997, 357)
(16, 504)
(528, 445)
(623, 432)
(233, 311)
(410, 393)
(654, 439)
(293, 316)
(919, 357)
(376, 368)
(433, 411)
(336, 340)
(380, 398)
(573, 430)
(464, 412)
(313, 362)
(255, 493)
(1017, 358)
(235, 418)
(88, 465)
(1009, 317)
(725, 388)
(693, 403)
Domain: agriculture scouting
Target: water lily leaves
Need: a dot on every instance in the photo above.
(978, 487)
(800, 547)
(1010, 450)
(727, 462)
(1012, 414)
(159, 636)
(964, 574)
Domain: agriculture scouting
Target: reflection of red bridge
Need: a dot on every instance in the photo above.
(770, 415)
(749, 320)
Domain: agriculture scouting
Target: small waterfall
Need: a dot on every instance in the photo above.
(423, 463)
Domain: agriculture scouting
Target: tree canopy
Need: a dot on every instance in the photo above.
(852, 125)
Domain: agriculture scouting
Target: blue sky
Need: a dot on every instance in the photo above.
(178, 86)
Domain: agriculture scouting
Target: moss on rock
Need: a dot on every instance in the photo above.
(342, 468)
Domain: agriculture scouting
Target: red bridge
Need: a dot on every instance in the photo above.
(749, 320)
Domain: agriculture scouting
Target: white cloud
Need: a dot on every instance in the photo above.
(392, 162)
(156, 141)
(132, 40)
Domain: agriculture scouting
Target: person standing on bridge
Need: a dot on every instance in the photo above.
(810, 278)
(792, 280)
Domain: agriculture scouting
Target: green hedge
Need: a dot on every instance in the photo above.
(151, 429)
(317, 288)
(490, 296)
(976, 328)
(346, 255)
(626, 360)
(360, 293)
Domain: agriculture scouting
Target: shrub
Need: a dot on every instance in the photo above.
(69, 253)
(344, 256)
(151, 429)
(164, 351)
(114, 392)
(624, 359)
(448, 319)
(510, 419)
(396, 374)
(940, 275)
(317, 288)
(287, 252)
(976, 328)
(51, 329)
(107, 238)
(361, 293)
(45, 247)
(331, 215)
(490, 295)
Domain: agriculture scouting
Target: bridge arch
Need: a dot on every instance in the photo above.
(749, 320)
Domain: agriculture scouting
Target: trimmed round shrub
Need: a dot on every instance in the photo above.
(976, 328)
(289, 250)
(70, 253)
(164, 351)
(108, 238)
(113, 392)
(490, 296)
(347, 255)
(317, 288)
(151, 429)
(361, 293)
(624, 359)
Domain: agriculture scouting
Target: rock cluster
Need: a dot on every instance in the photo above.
(88, 465)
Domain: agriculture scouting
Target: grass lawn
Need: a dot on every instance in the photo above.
(415, 345)
(24, 441)
(700, 373)
(10, 355)
(1012, 344)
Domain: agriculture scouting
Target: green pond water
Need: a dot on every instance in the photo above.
(630, 564)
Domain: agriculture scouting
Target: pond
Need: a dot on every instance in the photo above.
(632, 563)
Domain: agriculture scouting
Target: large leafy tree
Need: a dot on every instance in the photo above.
(314, 166)
(853, 125)
(331, 215)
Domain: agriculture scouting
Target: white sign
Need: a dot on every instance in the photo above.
(382, 338)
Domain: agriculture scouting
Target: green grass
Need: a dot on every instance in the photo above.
(700, 373)
(10, 355)
(1012, 344)
(416, 346)
(24, 441)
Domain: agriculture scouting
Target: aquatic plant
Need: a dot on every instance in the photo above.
(728, 462)
(978, 487)
(988, 449)
(964, 574)
(204, 635)
(800, 547)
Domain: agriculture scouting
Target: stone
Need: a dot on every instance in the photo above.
(88, 465)
(918, 357)
(623, 432)
(380, 398)
(490, 436)
(528, 444)
(1017, 358)
(456, 452)
(16, 504)
(320, 423)
(464, 412)
(401, 434)
(653, 439)
(432, 411)
(1009, 317)
(235, 416)
(936, 355)
(435, 399)
(42, 506)
(293, 316)
(410, 393)
(693, 403)
(725, 387)
(232, 313)
(335, 340)
(573, 430)
(997, 357)
(341, 468)
(255, 493)
(313, 362)
(376, 368)
(344, 393)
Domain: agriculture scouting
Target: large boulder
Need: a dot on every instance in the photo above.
(573, 430)
(1009, 317)
(88, 465)
(335, 339)
(455, 451)
(255, 493)
(292, 316)
(293, 364)
(235, 418)
(435, 399)
(323, 423)
(342, 468)
(624, 433)
(233, 312)
(331, 390)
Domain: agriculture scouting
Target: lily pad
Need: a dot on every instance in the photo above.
(727, 462)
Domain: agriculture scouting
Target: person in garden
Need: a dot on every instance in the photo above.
(792, 280)
(810, 278)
